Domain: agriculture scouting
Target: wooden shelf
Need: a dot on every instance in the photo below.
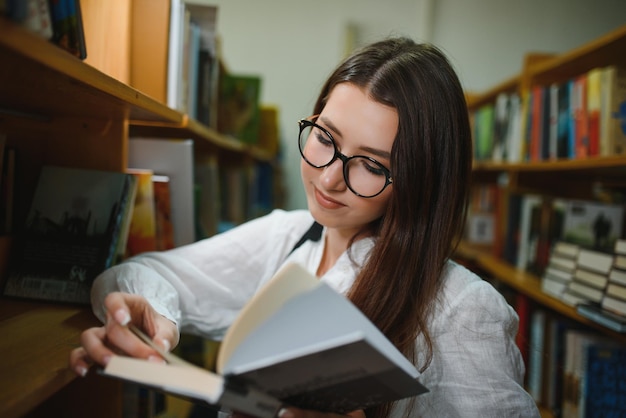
(206, 139)
(61, 85)
(37, 339)
(605, 50)
(529, 285)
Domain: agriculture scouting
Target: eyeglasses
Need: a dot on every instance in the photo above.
(363, 175)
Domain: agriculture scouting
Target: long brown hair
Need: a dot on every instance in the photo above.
(431, 165)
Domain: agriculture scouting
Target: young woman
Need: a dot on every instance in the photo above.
(386, 159)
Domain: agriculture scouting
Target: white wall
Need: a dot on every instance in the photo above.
(487, 39)
(294, 44)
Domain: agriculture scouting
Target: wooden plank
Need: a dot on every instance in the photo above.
(37, 339)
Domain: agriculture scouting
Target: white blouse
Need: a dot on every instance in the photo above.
(476, 369)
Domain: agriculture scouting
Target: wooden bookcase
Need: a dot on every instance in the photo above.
(560, 178)
(56, 109)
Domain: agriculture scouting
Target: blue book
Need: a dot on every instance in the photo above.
(605, 389)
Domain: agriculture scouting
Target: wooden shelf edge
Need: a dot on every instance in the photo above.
(38, 340)
(41, 52)
(590, 163)
(476, 100)
(207, 139)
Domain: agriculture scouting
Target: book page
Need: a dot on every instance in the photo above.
(287, 283)
(189, 381)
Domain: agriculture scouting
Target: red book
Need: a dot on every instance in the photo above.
(581, 117)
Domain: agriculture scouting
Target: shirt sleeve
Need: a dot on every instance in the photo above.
(202, 286)
(477, 369)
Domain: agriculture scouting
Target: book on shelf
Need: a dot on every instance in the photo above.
(615, 305)
(593, 225)
(501, 115)
(604, 385)
(206, 174)
(616, 290)
(594, 100)
(173, 158)
(537, 350)
(617, 275)
(575, 370)
(71, 233)
(163, 212)
(596, 313)
(560, 269)
(596, 261)
(591, 278)
(283, 349)
(67, 24)
(239, 106)
(192, 32)
(142, 228)
(581, 119)
(612, 132)
(38, 19)
(7, 188)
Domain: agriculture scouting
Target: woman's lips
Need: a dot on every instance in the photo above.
(326, 202)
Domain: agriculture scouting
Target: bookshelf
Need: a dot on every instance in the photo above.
(575, 178)
(56, 109)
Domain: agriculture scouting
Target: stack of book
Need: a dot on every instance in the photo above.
(592, 281)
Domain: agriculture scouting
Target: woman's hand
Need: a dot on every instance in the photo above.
(98, 344)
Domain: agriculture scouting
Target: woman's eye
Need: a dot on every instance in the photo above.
(322, 138)
(372, 168)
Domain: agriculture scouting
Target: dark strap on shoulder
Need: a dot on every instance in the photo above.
(314, 234)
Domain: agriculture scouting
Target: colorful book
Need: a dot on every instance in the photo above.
(163, 212)
(142, 228)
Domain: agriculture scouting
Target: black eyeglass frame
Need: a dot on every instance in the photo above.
(304, 123)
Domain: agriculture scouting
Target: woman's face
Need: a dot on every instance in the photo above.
(359, 126)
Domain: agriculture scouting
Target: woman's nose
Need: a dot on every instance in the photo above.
(332, 176)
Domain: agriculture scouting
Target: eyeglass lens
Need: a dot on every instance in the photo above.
(363, 176)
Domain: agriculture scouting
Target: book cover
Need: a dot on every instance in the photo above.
(581, 117)
(501, 120)
(594, 100)
(615, 305)
(67, 26)
(38, 18)
(239, 106)
(613, 116)
(173, 158)
(562, 121)
(142, 228)
(283, 349)
(593, 225)
(163, 212)
(71, 233)
(606, 379)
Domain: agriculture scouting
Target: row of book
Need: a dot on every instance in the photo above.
(592, 281)
(200, 85)
(525, 232)
(59, 21)
(81, 221)
(577, 118)
(74, 232)
(571, 371)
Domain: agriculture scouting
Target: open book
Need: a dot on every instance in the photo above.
(297, 342)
